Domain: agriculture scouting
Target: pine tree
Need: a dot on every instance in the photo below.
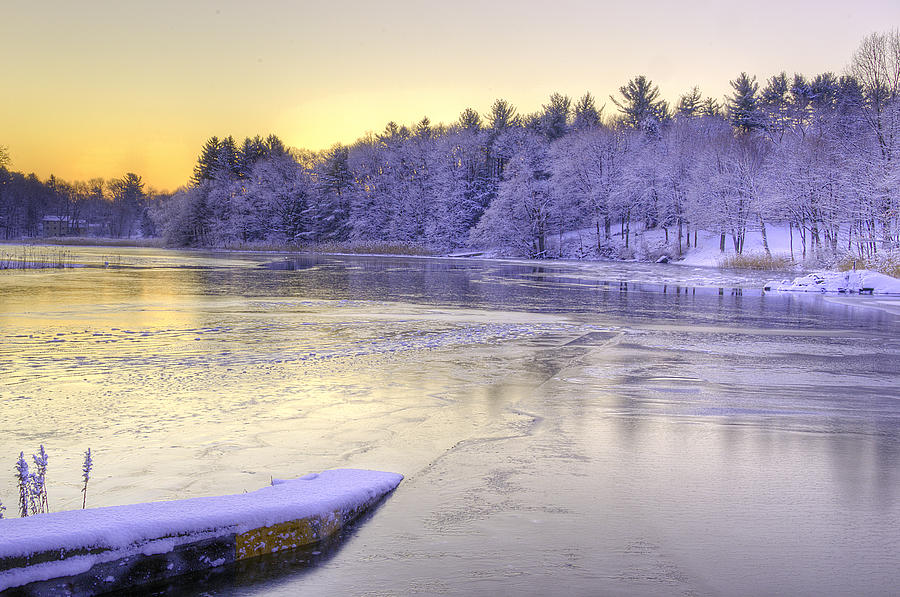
(335, 184)
(423, 129)
(824, 90)
(252, 150)
(711, 108)
(502, 116)
(207, 162)
(227, 163)
(275, 147)
(775, 105)
(585, 113)
(640, 106)
(553, 122)
(689, 104)
(469, 120)
(743, 105)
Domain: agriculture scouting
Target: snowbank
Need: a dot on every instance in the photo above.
(284, 515)
(707, 253)
(649, 245)
(862, 281)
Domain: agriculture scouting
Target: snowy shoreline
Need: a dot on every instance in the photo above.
(110, 545)
(850, 282)
(706, 256)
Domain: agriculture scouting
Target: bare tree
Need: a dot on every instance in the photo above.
(876, 65)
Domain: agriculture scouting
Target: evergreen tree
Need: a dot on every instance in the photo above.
(252, 150)
(393, 133)
(585, 113)
(689, 104)
(335, 184)
(824, 90)
(502, 116)
(470, 120)
(775, 103)
(207, 162)
(423, 129)
(743, 105)
(711, 108)
(275, 147)
(640, 106)
(227, 162)
(503, 121)
(128, 194)
(553, 122)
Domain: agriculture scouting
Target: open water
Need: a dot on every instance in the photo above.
(564, 428)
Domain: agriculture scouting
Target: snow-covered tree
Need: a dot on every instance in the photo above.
(520, 218)
(553, 121)
(331, 210)
(743, 105)
(585, 114)
(640, 105)
(876, 65)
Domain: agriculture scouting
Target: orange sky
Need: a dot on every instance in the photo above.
(102, 87)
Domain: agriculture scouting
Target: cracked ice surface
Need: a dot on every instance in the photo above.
(605, 428)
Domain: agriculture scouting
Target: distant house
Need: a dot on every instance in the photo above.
(62, 226)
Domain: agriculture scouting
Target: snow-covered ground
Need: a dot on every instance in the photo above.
(860, 281)
(648, 245)
(707, 252)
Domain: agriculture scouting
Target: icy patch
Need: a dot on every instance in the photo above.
(860, 281)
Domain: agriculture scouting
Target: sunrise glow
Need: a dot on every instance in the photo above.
(99, 88)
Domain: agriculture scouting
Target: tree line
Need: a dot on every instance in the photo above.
(116, 207)
(818, 153)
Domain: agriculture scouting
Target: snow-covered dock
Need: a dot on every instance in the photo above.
(86, 552)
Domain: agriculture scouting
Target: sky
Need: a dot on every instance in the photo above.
(104, 87)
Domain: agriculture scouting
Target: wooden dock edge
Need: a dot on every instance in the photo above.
(162, 559)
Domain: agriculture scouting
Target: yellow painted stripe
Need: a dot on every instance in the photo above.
(286, 535)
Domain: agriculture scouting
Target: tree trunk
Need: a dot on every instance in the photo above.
(765, 240)
(816, 241)
(791, 232)
(679, 236)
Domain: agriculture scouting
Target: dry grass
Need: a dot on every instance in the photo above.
(260, 246)
(370, 248)
(755, 261)
(36, 258)
(886, 263)
(352, 248)
(90, 241)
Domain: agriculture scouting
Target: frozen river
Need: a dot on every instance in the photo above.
(565, 428)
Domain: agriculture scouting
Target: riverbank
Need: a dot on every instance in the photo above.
(849, 282)
(780, 251)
